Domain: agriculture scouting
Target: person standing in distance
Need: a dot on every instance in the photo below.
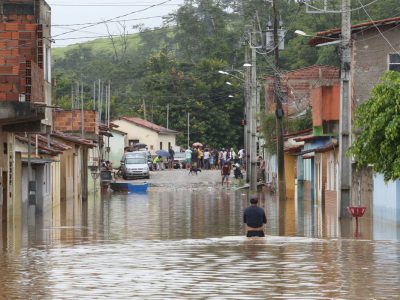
(254, 218)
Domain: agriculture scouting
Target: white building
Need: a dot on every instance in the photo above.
(141, 131)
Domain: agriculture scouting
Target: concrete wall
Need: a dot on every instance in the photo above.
(117, 142)
(290, 175)
(370, 59)
(386, 200)
(56, 191)
(386, 209)
(325, 104)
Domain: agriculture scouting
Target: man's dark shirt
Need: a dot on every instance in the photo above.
(194, 156)
(254, 216)
(171, 153)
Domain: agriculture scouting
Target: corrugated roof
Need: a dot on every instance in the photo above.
(326, 36)
(321, 149)
(149, 125)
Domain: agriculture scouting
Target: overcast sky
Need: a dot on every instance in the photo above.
(65, 13)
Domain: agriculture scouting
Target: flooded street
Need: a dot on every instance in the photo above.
(186, 240)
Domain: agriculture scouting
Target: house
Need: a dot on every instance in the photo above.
(25, 89)
(154, 136)
(74, 175)
(68, 126)
(375, 49)
(42, 161)
(296, 86)
(118, 142)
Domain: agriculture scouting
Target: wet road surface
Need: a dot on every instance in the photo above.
(187, 242)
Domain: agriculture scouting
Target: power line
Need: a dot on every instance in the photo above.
(114, 18)
(96, 23)
(377, 28)
(338, 11)
(107, 5)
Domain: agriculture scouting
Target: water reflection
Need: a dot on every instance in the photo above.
(189, 243)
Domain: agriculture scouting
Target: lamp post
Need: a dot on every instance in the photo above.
(246, 111)
(250, 112)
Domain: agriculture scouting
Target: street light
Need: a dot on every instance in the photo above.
(250, 112)
(228, 83)
(334, 41)
(300, 32)
(231, 96)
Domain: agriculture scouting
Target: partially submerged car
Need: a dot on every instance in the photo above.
(135, 165)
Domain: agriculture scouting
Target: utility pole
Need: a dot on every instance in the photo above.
(144, 109)
(253, 121)
(82, 113)
(279, 111)
(98, 98)
(94, 95)
(188, 130)
(247, 114)
(108, 117)
(72, 96)
(168, 116)
(344, 123)
(109, 104)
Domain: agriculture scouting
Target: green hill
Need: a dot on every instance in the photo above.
(101, 45)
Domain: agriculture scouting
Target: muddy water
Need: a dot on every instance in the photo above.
(189, 244)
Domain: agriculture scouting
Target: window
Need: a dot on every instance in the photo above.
(394, 62)
(160, 145)
(151, 147)
(133, 142)
(169, 145)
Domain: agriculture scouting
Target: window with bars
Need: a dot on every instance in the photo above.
(394, 62)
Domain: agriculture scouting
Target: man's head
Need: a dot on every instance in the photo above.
(254, 199)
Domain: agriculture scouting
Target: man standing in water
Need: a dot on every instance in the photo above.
(254, 218)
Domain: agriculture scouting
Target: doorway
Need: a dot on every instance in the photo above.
(4, 207)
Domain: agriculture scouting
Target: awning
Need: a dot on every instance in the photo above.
(38, 161)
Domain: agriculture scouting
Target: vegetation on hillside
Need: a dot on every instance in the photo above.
(177, 66)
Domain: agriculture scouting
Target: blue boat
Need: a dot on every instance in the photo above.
(130, 187)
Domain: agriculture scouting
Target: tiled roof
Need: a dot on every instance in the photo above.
(74, 139)
(149, 125)
(305, 69)
(118, 131)
(326, 36)
(43, 144)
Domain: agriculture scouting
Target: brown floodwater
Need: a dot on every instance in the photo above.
(188, 243)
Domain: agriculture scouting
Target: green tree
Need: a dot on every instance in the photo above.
(377, 141)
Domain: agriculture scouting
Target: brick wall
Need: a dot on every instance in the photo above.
(21, 59)
(296, 86)
(70, 121)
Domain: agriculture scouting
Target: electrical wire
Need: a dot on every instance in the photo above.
(377, 28)
(338, 11)
(117, 21)
(114, 18)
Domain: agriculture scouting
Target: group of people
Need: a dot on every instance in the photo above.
(158, 161)
(211, 159)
